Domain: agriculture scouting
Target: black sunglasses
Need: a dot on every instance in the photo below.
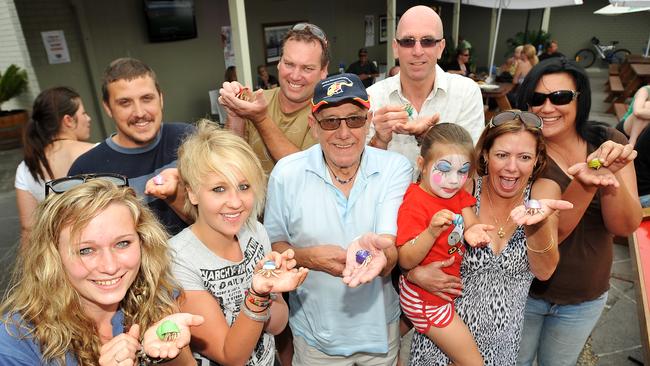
(527, 118)
(425, 42)
(64, 184)
(333, 123)
(315, 30)
(560, 97)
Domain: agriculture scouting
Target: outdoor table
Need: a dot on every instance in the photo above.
(499, 95)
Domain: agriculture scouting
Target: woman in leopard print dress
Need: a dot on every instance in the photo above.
(496, 278)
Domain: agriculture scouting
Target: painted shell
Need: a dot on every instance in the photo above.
(269, 268)
(594, 164)
(245, 94)
(158, 180)
(458, 220)
(533, 207)
(168, 331)
(409, 109)
(363, 257)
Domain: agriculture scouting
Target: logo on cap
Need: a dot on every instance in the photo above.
(336, 86)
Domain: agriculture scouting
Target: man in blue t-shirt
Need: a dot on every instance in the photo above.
(143, 146)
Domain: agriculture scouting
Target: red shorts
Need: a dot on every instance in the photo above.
(420, 313)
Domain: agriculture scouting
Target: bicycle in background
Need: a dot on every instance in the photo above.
(609, 53)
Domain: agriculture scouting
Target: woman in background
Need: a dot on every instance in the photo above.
(53, 139)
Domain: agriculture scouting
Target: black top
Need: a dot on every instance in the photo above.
(545, 56)
(642, 161)
(367, 68)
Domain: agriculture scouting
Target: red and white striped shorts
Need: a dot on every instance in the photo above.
(421, 314)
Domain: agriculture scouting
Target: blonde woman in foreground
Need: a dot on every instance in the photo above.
(95, 284)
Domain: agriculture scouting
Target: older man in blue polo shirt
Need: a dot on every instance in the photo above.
(333, 204)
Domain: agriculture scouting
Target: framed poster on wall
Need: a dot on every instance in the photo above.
(383, 27)
(273, 34)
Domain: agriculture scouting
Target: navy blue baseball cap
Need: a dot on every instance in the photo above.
(339, 88)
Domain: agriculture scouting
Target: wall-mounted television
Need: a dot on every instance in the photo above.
(170, 20)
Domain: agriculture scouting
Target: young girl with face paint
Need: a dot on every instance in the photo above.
(434, 217)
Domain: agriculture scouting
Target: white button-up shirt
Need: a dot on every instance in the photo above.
(457, 99)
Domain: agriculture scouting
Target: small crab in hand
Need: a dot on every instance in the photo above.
(533, 207)
(363, 257)
(269, 268)
(168, 331)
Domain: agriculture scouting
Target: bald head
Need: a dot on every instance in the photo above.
(420, 17)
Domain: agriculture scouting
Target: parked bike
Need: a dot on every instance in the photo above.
(609, 53)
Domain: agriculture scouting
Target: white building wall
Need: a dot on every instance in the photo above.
(14, 51)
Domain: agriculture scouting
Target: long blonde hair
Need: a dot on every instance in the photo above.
(41, 303)
(531, 54)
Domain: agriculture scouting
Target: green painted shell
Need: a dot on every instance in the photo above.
(166, 328)
(409, 109)
(594, 164)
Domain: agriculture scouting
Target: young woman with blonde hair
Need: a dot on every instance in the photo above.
(95, 283)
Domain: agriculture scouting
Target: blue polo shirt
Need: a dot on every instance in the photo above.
(305, 209)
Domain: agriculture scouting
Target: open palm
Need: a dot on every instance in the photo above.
(356, 274)
(157, 348)
(548, 207)
(602, 177)
(284, 278)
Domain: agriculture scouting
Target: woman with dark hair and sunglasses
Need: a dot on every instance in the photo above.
(510, 157)
(460, 64)
(96, 285)
(591, 163)
(53, 138)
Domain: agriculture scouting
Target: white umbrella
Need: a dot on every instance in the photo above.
(512, 4)
(624, 7)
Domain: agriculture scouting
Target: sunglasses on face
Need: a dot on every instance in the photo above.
(333, 123)
(64, 184)
(527, 118)
(311, 29)
(425, 42)
(560, 97)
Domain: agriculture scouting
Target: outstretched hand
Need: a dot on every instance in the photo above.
(254, 109)
(355, 273)
(476, 235)
(157, 348)
(282, 279)
(602, 177)
(417, 126)
(548, 207)
(163, 185)
(613, 156)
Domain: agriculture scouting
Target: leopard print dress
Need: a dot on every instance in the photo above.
(493, 301)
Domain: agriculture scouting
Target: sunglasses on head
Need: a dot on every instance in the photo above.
(425, 42)
(527, 118)
(67, 183)
(311, 29)
(333, 123)
(560, 97)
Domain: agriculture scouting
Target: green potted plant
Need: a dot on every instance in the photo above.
(13, 82)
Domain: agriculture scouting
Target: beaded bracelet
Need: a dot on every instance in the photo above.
(541, 251)
(262, 302)
(145, 360)
(262, 318)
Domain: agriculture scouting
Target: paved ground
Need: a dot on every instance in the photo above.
(614, 339)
